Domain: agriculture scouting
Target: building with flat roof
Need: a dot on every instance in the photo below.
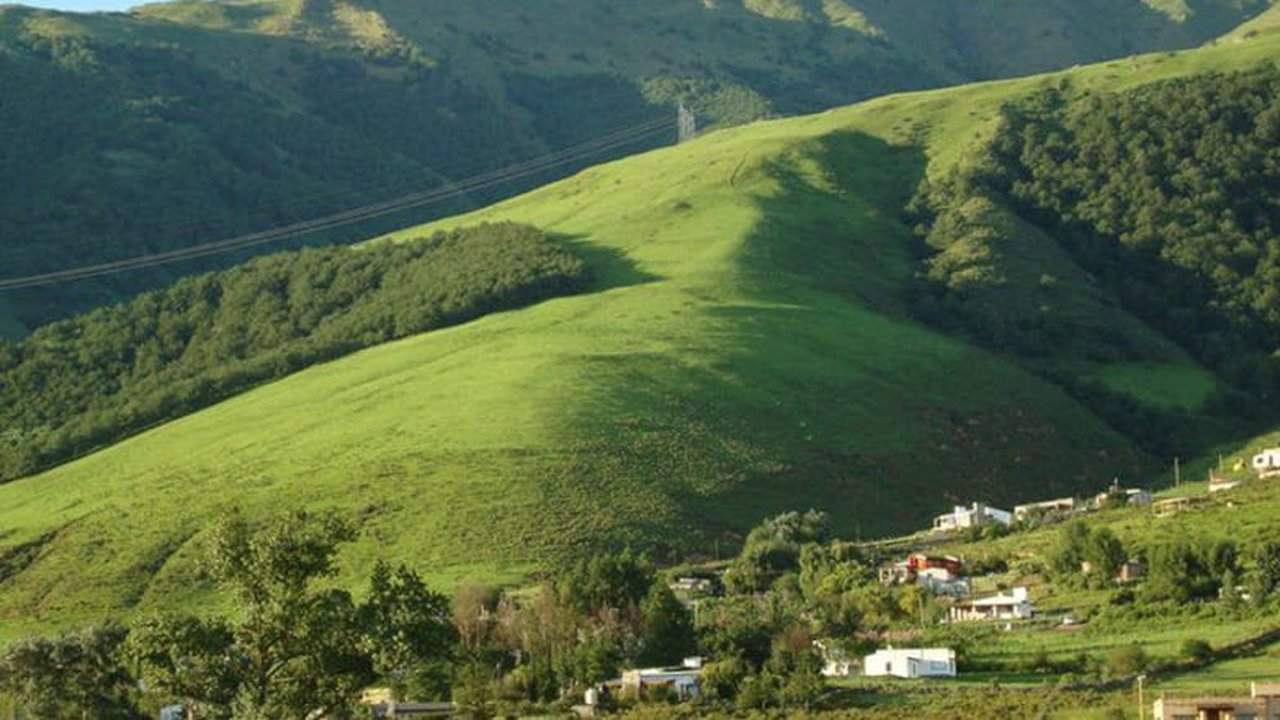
(1061, 506)
(1263, 703)
(684, 681)
(1016, 605)
(910, 663)
(1267, 463)
(961, 517)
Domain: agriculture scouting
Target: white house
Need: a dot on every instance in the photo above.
(1267, 462)
(1130, 496)
(962, 517)
(1015, 605)
(911, 663)
(1064, 506)
(685, 681)
(940, 581)
(690, 587)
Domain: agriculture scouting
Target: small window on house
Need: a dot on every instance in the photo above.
(888, 667)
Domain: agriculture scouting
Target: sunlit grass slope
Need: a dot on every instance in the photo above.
(744, 352)
(1267, 23)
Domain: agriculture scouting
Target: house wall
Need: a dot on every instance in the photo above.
(1267, 460)
(910, 664)
(1063, 505)
(886, 666)
(1015, 611)
(1227, 708)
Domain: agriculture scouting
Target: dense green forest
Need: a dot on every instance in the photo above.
(1165, 197)
(182, 123)
(91, 380)
(1168, 195)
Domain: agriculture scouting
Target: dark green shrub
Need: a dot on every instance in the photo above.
(1196, 650)
(1128, 660)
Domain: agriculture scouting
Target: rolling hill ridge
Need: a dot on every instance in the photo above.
(186, 122)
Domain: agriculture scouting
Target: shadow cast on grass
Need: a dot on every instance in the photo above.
(610, 268)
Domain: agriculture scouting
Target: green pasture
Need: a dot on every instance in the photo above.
(1182, 386)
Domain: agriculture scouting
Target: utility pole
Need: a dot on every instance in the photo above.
(1177, 473)
(686, 125)
(1142, 707)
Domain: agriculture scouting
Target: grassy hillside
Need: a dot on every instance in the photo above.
(1264, 24)
(187, 122)
(78, 385)
(747, 348)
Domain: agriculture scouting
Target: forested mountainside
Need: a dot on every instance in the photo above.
(791, 313)
(1161, 198)
(180, 123)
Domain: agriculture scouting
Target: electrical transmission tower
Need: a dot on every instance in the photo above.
(686, 124)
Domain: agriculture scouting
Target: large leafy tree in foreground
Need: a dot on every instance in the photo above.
(296, 647)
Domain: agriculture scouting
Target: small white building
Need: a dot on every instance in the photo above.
(1061, 506)
(1267, 463)
(911, 663)
(1129, 496)
(962, 517)
(692, 587)
(684, 681)
(940, 581)
(1015, 605)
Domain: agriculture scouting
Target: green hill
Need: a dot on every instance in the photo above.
(186, 122)
(78, 385)
(749, 345)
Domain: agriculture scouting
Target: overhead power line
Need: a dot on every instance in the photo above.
(610, 141)
(339, 198)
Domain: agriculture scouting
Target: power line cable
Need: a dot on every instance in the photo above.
(296, 229)
(174, 226)
(348, 217)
